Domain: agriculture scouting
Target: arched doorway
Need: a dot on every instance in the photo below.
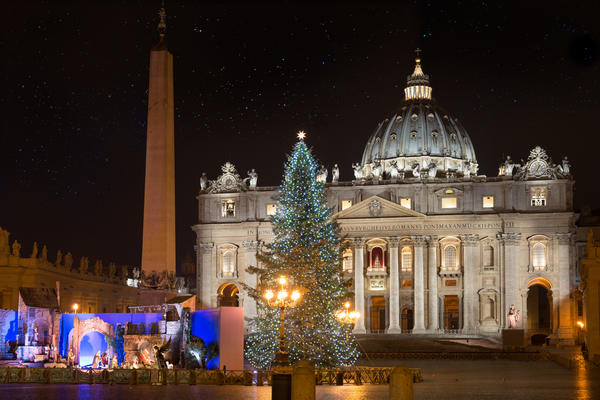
(407, 320)
(91, 343)
(539, 306)
(228, 295)
(377, 314)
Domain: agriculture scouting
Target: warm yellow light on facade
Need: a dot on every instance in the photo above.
(75, 307)
(269, 294)
(580, 324)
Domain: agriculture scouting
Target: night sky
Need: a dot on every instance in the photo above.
(247, 77)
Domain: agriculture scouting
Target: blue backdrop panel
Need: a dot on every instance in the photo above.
(206, 325)
(91, 343)
(9, 325)
(66, 324)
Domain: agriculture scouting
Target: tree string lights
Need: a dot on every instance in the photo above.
(306, 248)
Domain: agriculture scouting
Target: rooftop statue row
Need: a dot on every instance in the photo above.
(229, 181)
(537, 166)
(63, 262)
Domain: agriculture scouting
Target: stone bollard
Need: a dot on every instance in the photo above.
(401, 384)
(303, 381)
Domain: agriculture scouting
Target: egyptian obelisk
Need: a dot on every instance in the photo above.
(158, 246)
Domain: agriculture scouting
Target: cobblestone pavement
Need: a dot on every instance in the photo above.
(445, 379)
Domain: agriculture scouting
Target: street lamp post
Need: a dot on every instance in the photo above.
(348, 317)
(282, 300)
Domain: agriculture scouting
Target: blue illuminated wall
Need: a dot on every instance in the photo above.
(205, 325)
(91, 343)
(9, 325)
(66, 324)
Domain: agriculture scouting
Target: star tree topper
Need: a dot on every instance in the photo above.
(301, 135)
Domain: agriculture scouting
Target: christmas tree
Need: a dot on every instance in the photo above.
(307, 250)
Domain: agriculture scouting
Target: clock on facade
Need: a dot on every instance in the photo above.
(537, 168)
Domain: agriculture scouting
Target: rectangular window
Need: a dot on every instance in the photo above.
(451, 282)
(488, 201)
(405, 202)
(228, 208)
(346, 204)
(271, 209)
(406, 283)
(448, 202)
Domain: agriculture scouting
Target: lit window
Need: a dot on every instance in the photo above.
(405, 202)
(406, 283)
(406, 259)
(271, 209)
(488, 201)
(228, 263)
(538, 197)
(450, 257)
(449, 191)
(346, 204)
(228, 208)
(448, 202)
(347, 260)
(539, 256)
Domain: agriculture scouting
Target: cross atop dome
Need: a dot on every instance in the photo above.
(417, 84)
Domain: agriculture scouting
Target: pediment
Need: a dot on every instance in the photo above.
(377, 207)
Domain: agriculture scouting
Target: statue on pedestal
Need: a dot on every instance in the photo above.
(513, 317)
(335, 173)
(71, 358)
(44, 253)
(68, 261)
(203, 181)
(252, 179)
(34, 251)
(358, 171)
(34, 334)
(16, 249)
(322, 174)
(59, 257)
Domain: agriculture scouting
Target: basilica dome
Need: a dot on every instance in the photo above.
(420, 137)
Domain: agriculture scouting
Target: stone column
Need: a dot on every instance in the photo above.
(251, 247)
(419, 285)
(511, 271)
(394, 326)
(470, 243)
(432, 275)
(204, 273)
(359, 284)
(565, 329)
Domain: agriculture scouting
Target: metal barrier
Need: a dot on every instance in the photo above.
(352, 375)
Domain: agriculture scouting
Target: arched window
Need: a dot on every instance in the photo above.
(488, 256)
(377, 260)
(450, 257)
(539, 255)
(347, 260)
(228, 263)
(406, 259)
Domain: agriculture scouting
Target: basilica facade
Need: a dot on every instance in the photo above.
(435, 247)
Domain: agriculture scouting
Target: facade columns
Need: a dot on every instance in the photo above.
(511, 271)
(470, 243)
(251, 247)
(394, 307)
(204, 273)
(432, 275)
(565, 328)
(419, 285)
(359, 284)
